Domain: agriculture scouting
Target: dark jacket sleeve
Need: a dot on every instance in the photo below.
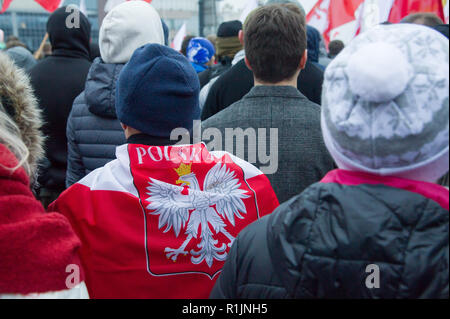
(226, 285)
(75, 168)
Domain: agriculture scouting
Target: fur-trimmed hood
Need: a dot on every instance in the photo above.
(17, 98)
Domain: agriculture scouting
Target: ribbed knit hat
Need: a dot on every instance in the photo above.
(386, 103)
(157, 91)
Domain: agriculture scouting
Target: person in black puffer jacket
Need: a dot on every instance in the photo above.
(93, 130)
(57, 80)
(378, 227)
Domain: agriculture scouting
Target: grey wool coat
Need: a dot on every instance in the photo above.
(301, 158)
(93, 130)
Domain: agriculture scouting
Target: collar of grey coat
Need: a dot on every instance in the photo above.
(144, 139)
(274, 91)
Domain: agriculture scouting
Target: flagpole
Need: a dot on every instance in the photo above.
(41, 47)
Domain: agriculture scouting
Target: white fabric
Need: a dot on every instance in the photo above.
(365, 78)
(78, 292)
(126, 28)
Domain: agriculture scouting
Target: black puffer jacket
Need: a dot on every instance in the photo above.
(93, 130)
(57, 80)
(318, 244)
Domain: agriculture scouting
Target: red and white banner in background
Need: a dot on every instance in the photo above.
(344, 19)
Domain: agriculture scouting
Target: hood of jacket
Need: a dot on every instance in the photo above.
(314, 40)
(18, 100)
(100, 90)
(319, 240)
(69, 41)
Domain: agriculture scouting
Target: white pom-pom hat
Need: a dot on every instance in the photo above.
(385, 103)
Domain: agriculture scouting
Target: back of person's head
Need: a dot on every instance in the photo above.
(13, 42)
(424, 18)
(20, 117)
(22, 58)
(335, 47)
(295, 2)
(385, 104)
(158, 91)
(127, 27)
(275, 42)
(200, 50)
(68, 31)
(227, 42)
(313, 43)
(185, 44)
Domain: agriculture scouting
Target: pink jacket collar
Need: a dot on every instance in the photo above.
(434, 192)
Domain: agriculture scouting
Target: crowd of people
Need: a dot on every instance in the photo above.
(257, 163)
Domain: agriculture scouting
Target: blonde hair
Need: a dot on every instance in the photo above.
(10, 137)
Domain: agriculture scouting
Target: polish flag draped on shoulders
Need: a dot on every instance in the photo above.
(159, 221)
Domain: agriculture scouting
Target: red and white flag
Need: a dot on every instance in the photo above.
(344, 19)
(4, 5)
(402, 8)
(159, 221)
(49, 5)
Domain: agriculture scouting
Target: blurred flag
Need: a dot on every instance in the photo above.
(83, 8)
(402, 8)
(179, 37)
(49, 5)
(337, 19)
(445, 4)
(249, 7)
(4, 5)
(112, 3)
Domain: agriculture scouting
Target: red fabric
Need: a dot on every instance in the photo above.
(434, 192)
(5, 5)
(123, 250)
(402, 8)
(49, 5)
(35, 247)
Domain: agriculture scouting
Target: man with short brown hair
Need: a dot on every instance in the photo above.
(274, 37)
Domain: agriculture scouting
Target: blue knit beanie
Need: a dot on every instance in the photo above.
(200, 50)
(157, 91)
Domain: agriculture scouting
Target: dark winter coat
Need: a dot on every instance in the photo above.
(238, 81)
(329, 241)
(93, 130)
(215, 71)
(57, 81)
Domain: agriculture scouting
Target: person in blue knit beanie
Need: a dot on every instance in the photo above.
(200, 53)
(157, 92)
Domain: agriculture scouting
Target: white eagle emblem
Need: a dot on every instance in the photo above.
(177, 211)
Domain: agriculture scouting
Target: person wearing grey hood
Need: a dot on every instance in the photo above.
(22, 58)
(93, 130)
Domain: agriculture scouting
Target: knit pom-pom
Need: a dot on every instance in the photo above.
(378, 72)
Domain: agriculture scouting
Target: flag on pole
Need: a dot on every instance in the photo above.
(4, 5)
(49, 5)
(110, 4)
(249, 7)
(179, 37)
